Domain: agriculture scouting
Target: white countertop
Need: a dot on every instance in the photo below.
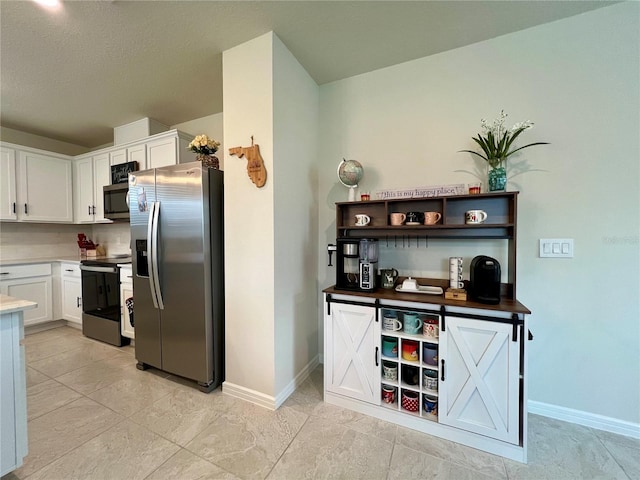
(9, 304)
(29, 261)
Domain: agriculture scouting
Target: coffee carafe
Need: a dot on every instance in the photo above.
(368, 263)
(348, 264)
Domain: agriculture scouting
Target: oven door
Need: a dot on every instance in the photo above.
(101, 292)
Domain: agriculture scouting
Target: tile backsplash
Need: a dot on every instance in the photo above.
(37, 240)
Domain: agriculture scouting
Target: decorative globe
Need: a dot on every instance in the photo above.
(350, 173)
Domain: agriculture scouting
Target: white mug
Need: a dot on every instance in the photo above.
(456, 284)
(362, 219)
(391, 323)
(475, 216)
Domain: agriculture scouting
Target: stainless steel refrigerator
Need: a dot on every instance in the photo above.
(178, 271)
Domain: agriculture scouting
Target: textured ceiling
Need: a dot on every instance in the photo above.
(74, 74)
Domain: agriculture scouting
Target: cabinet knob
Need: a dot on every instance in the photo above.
(78, 300)
(68, 270)
(14, 207)
(26, 209)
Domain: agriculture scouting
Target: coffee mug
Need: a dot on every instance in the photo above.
(456, 284)
(455, 262)
(388, 394)
(390, 371)
(388, 277)
(415, 217)
(409, 350)
(429, 404)
(475, 216)
(430, 328)
(362, 220)
(390, 322)
(410, 401)
(397, 218)
(431, 218)
(430, 354)
(412, 323)
(390, 347)
(430, 379)
(410, 375)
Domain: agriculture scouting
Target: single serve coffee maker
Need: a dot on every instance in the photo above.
(357, 264)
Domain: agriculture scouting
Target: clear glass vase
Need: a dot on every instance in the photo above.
(497, 177)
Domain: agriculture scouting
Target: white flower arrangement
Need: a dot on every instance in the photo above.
(204, 145)
(497, 140)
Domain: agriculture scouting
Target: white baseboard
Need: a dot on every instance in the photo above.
(268, 401)
(593, 420)
(253, 396)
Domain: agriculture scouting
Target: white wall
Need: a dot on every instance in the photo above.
(36, 141)
(295, 102)
(577, 79)
(211, 126)
(249, 219)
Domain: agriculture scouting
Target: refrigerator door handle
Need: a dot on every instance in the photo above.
(150, 248)
(156, 271)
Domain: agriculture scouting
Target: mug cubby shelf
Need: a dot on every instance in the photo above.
(501, 209)
(402, 365)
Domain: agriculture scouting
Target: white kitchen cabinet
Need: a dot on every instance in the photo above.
(36, 186)
(71, 293)
(91, 174)
(33, 283)
(118, 156)
(8, 200)
(126, 291)
(162, 152)
(13, 401)
(138, 153)
(352, 358)
(44, 188)
(479, 387)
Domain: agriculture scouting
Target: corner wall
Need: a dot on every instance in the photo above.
(270, 232)
(578, 80)
(295, 101)
(249, 222)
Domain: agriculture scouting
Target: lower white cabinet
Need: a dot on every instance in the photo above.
(71, 293)
(126, 292)
(13, 401)
(30, 282)
(352, 341)
(479, 387)
(452, 372)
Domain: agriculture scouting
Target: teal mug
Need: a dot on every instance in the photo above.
(412, 323)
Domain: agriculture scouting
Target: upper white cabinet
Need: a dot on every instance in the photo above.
(91, 174)
(162, 149)
(8, 200)
(36, 186)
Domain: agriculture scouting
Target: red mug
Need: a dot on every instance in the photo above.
(388, 394)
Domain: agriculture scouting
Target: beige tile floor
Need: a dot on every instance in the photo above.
(93, 415)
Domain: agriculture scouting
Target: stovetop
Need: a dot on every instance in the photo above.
(107, 260)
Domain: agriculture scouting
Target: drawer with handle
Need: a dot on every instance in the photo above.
(11, 272)
(70, 270)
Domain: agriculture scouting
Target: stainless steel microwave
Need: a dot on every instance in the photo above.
(116, 201)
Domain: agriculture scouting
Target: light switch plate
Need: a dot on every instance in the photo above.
(556, 248)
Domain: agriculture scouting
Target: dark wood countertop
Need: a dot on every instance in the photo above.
(506, 305)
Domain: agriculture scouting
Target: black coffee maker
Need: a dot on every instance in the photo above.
(484, 284)
(357, 264)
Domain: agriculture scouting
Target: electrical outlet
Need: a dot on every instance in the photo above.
(556, 248)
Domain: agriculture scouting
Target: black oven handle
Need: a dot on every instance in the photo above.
(95, 268)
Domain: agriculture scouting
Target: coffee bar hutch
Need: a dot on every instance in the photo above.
(477, 377)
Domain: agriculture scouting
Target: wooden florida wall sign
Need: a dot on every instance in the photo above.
(255, 165)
